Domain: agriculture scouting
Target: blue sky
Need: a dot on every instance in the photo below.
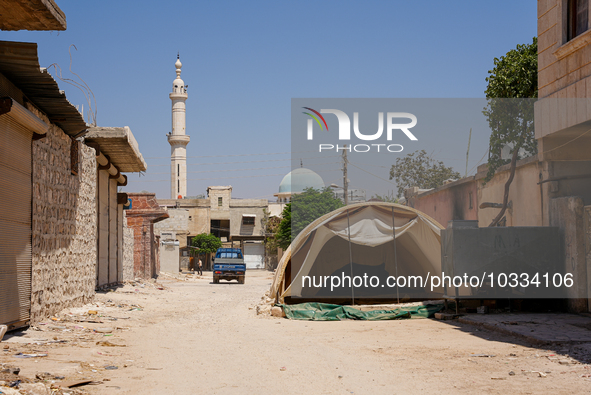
(245, 61)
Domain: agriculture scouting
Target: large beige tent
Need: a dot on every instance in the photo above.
(373, 238)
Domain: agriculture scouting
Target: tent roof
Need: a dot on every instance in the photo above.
(399, 210)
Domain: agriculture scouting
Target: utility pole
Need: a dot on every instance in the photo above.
(345, 181)
(468, 152)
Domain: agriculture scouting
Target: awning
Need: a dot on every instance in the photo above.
(249, 215)
(120, 146)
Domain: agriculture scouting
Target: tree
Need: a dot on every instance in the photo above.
(270, 227)
(206, 243)
(419, 170)
(514, 76)
(283, 235)
(304, 208)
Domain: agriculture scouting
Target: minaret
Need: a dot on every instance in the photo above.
(178, 140)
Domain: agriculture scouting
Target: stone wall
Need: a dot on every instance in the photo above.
(561, 63)
(128, 245)
(564, 84)
(64, 225)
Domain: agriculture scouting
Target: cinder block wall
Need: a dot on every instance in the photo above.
(64, 225)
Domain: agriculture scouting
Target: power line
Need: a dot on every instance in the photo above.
(217, 171)
(371, 173)
(225, 170)
(227, 178)
(249, 161)
(222, 156)
(235, 155)
(477, 163)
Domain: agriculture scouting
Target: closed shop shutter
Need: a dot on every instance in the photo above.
(15, 222)
(103, 228)
(120, 243)
(253, 255)
(112, 231)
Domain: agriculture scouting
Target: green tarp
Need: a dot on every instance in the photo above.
(334, 312)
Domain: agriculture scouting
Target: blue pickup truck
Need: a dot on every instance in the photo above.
(228, 264)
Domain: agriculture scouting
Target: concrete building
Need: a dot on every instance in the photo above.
(237, 222)
(563, 121)
(552, 188)
(178, 139)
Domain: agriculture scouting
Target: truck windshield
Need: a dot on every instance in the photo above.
(229, 254)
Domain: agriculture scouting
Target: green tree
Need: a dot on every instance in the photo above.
(270, 227)
(419, 170)
(304, 208)
(206, 243)
(283, 235)
(514, 76)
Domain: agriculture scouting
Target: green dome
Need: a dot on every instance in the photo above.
(300, 179)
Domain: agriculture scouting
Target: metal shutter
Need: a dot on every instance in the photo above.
(103, 228)
(15, 222)
(253, 255)
(112, 231)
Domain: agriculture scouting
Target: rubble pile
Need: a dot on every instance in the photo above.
(265, 305)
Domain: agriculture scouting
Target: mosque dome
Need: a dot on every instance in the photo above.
(300, 179)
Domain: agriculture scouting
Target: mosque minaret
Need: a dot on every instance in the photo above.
(177, 139)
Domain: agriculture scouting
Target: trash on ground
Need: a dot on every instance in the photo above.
(21, 355)
(74, 383)
(10, 369)
(540, 374)
(103, 330)
(109, 344)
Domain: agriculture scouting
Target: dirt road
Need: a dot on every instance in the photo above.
(195, 337)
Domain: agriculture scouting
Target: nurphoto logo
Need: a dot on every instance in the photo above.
(345, 130)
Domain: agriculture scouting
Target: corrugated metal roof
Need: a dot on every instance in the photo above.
(31, 15)
(20, 64)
